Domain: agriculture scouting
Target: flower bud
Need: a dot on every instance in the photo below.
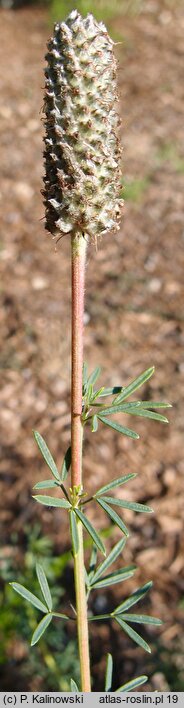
(82, 152)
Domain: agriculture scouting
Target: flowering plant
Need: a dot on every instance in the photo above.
(82, 199)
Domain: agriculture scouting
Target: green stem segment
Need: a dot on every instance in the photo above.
(81, 607)
(79, 244)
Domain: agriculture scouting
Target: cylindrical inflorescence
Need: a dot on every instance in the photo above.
(82, 151)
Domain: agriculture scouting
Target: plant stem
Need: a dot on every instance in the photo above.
(81, 607)
(79, 244)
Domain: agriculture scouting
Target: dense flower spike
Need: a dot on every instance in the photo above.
(82, 153)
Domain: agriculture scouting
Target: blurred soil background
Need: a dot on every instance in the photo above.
(133, 319)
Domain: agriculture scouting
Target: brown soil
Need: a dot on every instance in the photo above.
(134, 313)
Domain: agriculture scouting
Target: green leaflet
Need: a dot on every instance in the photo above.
(84, 373)
(74, 532)
(132, 634)
(66, 464)
(40, 629)
(46, 484)
(89, 391)
(135, 384)
(44, 585)
(134, 506)
(134, 683)
(73, 686)
(52, 501)
(94, 535)
(94, 425)
(98, 618)
(146, 404)
(109, 560)
(119, 428)
(144, 413)
(46, 454)
(27, 595)
(108, 673)
(60, 615)
(92, 564)
(133, 410)
(94, 376)
(96, 394)
(141, 619)
(115, 483)
(114, 578)
(111, 391)
(117, 519)
(134, 598)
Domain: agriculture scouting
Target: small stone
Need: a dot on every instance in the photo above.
(169, 476)
(151, 262)
(160, 682)
(86, 318)
(40, 405)
(13, 217)
(6, 112)
(33, 125)
(23, 109)
(39, 282)
(58, 387)
(23, 132)
(23, 191)
(172, 288)
(36, 38)
(155, 285)
(165, 17)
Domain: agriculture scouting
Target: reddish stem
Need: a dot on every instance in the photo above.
(78, 275)
(79, 244)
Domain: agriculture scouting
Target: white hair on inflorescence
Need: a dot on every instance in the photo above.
(82, 184)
